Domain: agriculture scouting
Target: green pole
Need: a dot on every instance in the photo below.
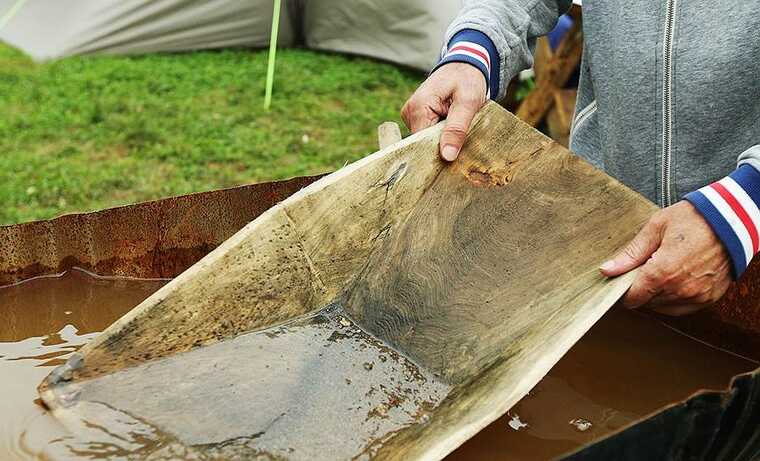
(272, 54)
(6, 18)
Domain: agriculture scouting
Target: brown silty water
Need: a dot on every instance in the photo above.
(626, 367)
(44, 320)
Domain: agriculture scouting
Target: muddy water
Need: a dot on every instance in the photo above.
(626, 367)
(42, 321)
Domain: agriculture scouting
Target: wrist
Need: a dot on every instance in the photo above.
(730, 207)
(465, 75)
(476, 49)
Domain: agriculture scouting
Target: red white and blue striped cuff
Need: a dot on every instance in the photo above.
(475, 48)
(730, 206)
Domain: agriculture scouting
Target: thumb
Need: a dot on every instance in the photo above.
(636, 253)
(458, 120)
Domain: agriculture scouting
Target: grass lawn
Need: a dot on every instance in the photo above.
(88, 133)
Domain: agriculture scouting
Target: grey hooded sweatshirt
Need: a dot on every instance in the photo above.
(668, 101)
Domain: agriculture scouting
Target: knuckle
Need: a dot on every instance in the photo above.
(688, 291)
(456, 129)
(437, 85)
(652, 291)
(658, 220)
(405, 112)
(672, 276)
(628, 299)
(635, 297)
(470, 100)
(410, 106)
(652, 277)
(634, 249)
(697, 292)
(630, 251)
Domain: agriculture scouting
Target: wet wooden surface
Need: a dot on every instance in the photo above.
(483, 272)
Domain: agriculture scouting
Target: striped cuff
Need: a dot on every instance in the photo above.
(730, 206)
(474, 47)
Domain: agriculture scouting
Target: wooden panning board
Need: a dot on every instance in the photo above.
(389, 310)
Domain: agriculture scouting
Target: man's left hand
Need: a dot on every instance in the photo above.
(684, 267)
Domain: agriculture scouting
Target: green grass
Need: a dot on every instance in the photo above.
(88, 133)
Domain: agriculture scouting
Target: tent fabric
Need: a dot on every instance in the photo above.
(403, 32)
(50, 29)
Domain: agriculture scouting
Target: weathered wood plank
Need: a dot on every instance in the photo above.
(483, 273)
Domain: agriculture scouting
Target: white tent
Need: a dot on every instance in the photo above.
(405, 32)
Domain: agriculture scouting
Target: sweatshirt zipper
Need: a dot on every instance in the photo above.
(581, 118)
(667, 104)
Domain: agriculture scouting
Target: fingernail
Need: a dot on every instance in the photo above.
(449, 152)
(607, 266)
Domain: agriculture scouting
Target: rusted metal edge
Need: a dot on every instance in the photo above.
(156, 239)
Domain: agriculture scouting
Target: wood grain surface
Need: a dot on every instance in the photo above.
(482, 272)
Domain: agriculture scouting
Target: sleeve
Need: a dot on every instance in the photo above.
(730, 207)
(498, 36)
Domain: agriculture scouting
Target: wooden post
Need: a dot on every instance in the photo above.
(560, 117)
(554, 73)
(388, 133)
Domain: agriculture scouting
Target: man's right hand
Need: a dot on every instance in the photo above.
(455, 91)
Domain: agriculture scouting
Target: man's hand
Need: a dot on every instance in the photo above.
(684, 266)
(455, 91)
